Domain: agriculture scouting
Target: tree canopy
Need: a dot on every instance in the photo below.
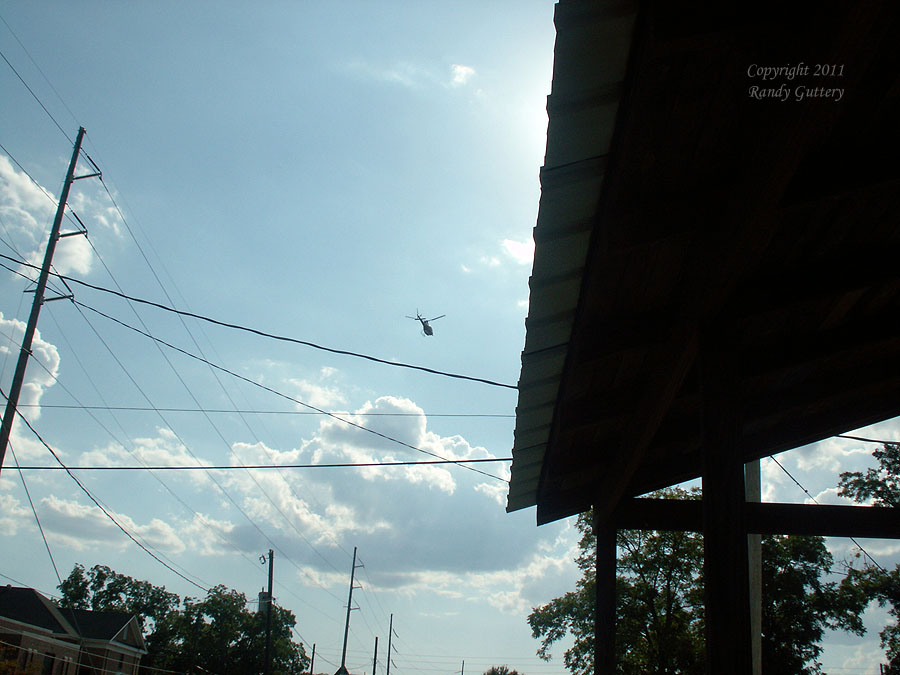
(217, 632)
(659, 608)
(881, 487)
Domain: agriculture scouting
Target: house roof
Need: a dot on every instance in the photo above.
(98, 625)
(684, 216)
(26, 605)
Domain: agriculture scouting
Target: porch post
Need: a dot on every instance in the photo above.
(726, 569)
(605, 605)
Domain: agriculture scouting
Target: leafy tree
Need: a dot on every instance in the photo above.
(659, 611)
(798, 606)
(880, 486)
(500, 670)
(659, 589)
(217, 632)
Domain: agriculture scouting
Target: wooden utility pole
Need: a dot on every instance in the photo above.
(390, 635)
(375, 658)
(15, 388)
(312, 662)
(268, 662)
(343, 668)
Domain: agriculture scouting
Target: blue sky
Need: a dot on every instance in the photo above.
(319, 171)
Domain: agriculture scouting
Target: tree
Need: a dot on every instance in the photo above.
(659, 623)
(659, 610)
(500, 670)
(880, 486)
(217, 632)
(798, 605)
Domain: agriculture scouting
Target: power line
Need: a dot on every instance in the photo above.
(263, 467)
(867, 440)
(100, 506)
(30, 91)
(272, 336)
(46, 79)
(855, 542)
(34, 511)
(278, 393)
(59, 406)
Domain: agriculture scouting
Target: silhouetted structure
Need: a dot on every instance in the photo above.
(715, 276)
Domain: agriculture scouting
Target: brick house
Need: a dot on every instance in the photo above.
(43, 638)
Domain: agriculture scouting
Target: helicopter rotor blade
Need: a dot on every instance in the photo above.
(437, 317)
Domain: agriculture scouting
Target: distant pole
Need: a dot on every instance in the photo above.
(19, 376)
(463, 669)
(268, 663)
(390, 653)
(312, 663)
(375, 658)
(349, 607)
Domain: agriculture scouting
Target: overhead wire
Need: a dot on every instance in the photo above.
(263, 467)
(40, 70)
(47, 194)
(282, 395)
(144, 467)
(248, 411)
(197, 403)
(31, 91)
(187, 448)
(50, 115)
(855, 542)
(34, 511)
(283, 338)
(102, 508)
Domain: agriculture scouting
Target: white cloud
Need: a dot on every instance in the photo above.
(520, 251)
(41, 375)
(164, 449)
(12, 515)
(460, 74)
(28, 210)
(318, 395)
(84, 527)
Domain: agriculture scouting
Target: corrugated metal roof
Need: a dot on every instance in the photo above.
(581, 111)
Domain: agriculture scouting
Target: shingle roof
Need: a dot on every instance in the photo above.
(28, 606)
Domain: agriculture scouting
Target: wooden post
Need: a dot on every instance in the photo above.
(605, 605)
(726, 570)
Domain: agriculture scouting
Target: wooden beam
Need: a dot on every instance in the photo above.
(824, 520)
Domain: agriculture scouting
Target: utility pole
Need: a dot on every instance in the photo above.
(375, 658)
(268, 661)
(390, 653)
(312, 663)
(15, 388)
(462, 670)
(343, 668)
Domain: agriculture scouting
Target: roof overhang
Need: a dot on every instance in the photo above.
(681, 218)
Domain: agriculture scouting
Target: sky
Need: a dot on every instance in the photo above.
(317, 171)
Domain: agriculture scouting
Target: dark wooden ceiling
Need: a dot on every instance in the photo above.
(766, 230)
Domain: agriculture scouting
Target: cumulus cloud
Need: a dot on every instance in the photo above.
(85, 527)
(164, 449)
(42, 375)
(28, 210)
(13, 515)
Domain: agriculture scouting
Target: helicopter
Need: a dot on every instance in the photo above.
(426, 323)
